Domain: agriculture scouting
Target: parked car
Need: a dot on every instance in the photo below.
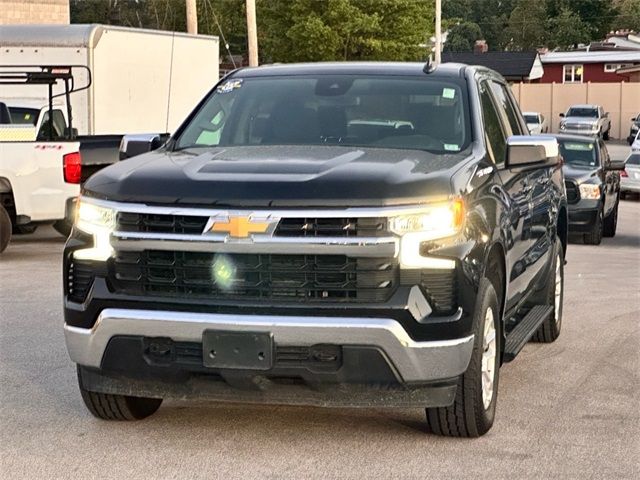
(536, 123)
(592, 181)
(633, 130)
(630, 176)
(43, 161)
(586, 120)
(635, 145)
(330, 234)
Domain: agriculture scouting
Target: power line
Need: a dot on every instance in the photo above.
(224, 40)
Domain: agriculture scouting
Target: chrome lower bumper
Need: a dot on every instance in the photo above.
(414, 361)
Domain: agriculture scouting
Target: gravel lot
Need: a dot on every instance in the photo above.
(565, 410)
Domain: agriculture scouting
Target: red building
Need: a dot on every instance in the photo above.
(582, 67)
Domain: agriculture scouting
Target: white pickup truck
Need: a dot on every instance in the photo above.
(39, 178)
(42, 159)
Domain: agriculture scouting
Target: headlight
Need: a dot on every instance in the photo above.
(98, 221)
(589, 191)
(436, 221)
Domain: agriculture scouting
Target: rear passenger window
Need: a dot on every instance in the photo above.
(495, 136)
(506, 104)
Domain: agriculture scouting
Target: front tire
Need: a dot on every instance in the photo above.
(552, 294)
(5, 229)
(106, 406)
(473, 411)
(605, 136)
(595, 236)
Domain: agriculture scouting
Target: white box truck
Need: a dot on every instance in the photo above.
(143, 80)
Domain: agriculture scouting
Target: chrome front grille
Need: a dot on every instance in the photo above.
(287, 227)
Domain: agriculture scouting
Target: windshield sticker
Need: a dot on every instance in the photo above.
(27, 116)
(582, 147)
(451, 147)
(229, 86)
(448, 93)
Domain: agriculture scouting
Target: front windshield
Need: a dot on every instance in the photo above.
(531, 118)
(347, 110)
(578, 154)
(583, 112)
(24, 116)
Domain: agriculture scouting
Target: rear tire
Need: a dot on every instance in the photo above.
(552, 294)
(611, 221)
(595, 236)
(605, 136)
(106, 406)
(5, 229)
(473, 411)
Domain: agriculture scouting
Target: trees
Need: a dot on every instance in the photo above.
(309, 30)
(462, 37)
(526, 27)
(628, 15)
(567, 30)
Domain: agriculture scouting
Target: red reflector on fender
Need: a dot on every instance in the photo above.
(72, 167)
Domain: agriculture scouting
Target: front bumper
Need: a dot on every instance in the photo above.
(583, 215)
(413, 361)
(579, 131)
(378, 364)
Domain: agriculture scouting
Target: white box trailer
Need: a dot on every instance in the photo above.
(143, 80)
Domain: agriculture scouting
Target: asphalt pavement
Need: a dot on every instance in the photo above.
(565, 410)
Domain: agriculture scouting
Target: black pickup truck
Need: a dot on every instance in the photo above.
(592, 180)
(360, 234)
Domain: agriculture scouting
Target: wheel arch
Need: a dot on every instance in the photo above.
(496, 272)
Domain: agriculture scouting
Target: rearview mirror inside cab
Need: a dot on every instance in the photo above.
(532, 151)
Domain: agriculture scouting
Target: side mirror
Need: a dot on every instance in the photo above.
(562, 114)
(606, 114)
(615, 165)
(532, 151)
(71, 133)
(132, 145)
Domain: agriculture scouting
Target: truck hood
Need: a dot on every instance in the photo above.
(579, 174)
(265, 176)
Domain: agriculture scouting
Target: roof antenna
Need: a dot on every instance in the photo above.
(429, 66)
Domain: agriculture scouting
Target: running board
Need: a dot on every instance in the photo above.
(524, 330)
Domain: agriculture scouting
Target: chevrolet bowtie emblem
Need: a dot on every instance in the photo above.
(239, 227)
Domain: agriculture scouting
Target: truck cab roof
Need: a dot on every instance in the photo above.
(353, 68)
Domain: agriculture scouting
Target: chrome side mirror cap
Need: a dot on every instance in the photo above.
(532, 151)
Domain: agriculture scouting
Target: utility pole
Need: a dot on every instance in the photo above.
(192, 17)
(438, 52)
(252, 33)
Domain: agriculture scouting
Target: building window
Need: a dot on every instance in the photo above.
(612, 67)
(572, 73)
